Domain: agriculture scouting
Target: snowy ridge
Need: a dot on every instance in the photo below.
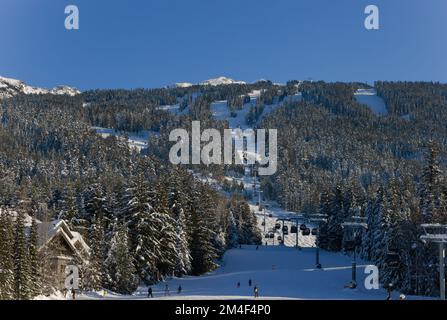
(220, 81)
(183, 85)
(11, 87)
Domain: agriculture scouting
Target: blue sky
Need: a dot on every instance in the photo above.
(152, 43)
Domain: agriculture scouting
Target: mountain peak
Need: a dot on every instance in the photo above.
(221, 81)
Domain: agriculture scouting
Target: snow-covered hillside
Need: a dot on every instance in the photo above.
(11, 87)
(370, 98)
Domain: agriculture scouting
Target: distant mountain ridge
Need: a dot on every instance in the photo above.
(211, 82)
(11, 87)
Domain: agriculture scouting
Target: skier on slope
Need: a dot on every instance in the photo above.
(256, 291)
(238, 285)
(179, 289)
(149, 293)
(249, 283)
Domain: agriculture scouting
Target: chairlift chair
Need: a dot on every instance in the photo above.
(306, 232)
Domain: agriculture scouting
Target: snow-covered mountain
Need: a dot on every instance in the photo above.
(210, 82)
(183, 85)
(11, 87)
(220, 81)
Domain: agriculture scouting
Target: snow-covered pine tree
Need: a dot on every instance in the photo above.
(367, 235)
(183, 259)
(202, 232)
(95, 273)
(6, 254)
(166, 236)
(69, 209)
(324, 209)
(147, 228)
(335, 219)
(378, 227)
(430, 192)
(21, 287)
(119, 262)
(35, 279)
(232, 239)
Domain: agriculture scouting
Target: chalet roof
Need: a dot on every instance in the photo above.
(49, 231)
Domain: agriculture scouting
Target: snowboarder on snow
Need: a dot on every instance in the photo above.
(149, 293)
(179, 289)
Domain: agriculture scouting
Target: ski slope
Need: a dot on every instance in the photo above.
(220, 110)
(136, 140)
(370, 98)
(279, 272)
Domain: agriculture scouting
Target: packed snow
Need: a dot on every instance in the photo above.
(279, 272)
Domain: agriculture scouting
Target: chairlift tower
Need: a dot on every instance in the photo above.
(355, 225)
(437, 233)
(319, 219)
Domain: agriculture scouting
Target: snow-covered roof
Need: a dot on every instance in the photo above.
(49, 231)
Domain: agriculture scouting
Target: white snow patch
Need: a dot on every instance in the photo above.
(370, 98)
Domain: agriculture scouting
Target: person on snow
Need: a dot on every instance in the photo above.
(149, 293)
(167, 293)
(73, 293)
(256, 291)
(389, 287)
(249, 283)
(179, 289)
(238, 285)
